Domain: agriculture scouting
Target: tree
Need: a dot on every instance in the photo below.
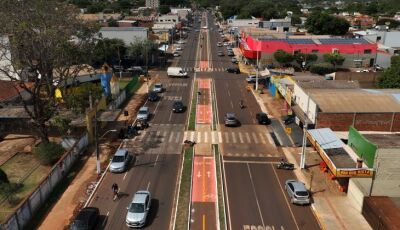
(322, 68)
(164, 9)
(142, 51)
(334, 58)
(50, 42)
(112, 22)
(295, 20)
(283, 57)
(306, 58)
(323, 23)
(108, 51)
(48, 153)
(391, 77)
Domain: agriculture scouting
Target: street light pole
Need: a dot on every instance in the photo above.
(96, 140)
(258, 48)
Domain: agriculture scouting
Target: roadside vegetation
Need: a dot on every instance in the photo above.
(192, 115)
(182, 213)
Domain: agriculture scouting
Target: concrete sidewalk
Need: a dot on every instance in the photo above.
(75, 195)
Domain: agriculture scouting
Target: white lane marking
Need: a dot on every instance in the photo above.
(171, 136)
(163, 136)
(232, 104)
(283, 192)
(192, 136)
(255, 195)
(226, 137)
(254, 137)
(126, 173)
(219, 137)
(233, 137)
(229, 93)
(184, 135)
(155, 163)
(213, 137)
(148, 186)
(158, 103)
(158, 134)
(170, 116)
(198, 137)
(241, 138)
(248, 137)
(205, 137)
(262, 138)
(269, 138)
(177, 137)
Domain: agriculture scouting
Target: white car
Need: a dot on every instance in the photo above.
(176, 54)
(179, 48)
(138, 209)
(158, 88)
(181, 42)
(226, 43)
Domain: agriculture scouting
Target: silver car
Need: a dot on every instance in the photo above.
(158, 88)
(138, 209)
(231, 120)
(297, 192)
(120, 161)
(143, 114)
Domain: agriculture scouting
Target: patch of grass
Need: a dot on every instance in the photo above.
(214, 105)
(123, 83)
(192, 115)
(25, 169)
(221, 204)
(182, 213)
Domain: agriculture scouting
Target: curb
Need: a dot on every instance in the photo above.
(317, 217)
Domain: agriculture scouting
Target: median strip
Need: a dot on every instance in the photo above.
(220, 188)
(183, 210)
(192, 115)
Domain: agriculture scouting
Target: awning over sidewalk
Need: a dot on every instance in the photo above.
(300, 114)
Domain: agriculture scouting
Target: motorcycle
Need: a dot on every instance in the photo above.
(188, 142)
(285, 165)
(140, 125)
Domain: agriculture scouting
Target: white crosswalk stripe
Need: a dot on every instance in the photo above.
(198, 137)
(171, 136)
(178, 135)
(241, 138)
(233, 137)
(219, 137)
(209, 69)
(262, 138)
(206, 137)
(248, 137)
(226, 137)
(254, 137)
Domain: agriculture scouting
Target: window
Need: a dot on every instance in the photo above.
(315, 51)
(368, 51)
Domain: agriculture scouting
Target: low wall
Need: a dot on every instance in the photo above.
(27, 209)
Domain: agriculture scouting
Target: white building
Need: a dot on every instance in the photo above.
(152, 3)
(174, 18)
(241, 23)
(5, 58)
(127, 34)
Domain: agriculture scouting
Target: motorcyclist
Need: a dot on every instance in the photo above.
(115, 190)
(241, 104)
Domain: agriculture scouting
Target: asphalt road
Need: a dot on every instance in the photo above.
(254, 192)
(158, 153)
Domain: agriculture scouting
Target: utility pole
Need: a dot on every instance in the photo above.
(305, 125)
(258, 50)
(96, 141)
(146, 62)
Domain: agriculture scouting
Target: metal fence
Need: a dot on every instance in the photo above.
(37, 198)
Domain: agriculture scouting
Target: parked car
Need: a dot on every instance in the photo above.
(136, 70)
(220, 53)
(178, 107)
(234, 60)
(181, 42)
(297, 192)
(143, 113)
(120, 161)
(288, 120)
(176, 54)
(219, 44)
(230, 54)
(158, 88)
(233, 70)
(226, 43)
(153, 96)
(179, 48)
(138, 209)
(251, 79)
(86, 219)
(263, 119)
(231, 120)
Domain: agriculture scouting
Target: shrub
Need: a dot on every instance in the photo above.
(3, 177)
(322, 68)
(9, 191)
(48, 153)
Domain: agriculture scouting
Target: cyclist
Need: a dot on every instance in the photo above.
(115, 190)
(241, 104)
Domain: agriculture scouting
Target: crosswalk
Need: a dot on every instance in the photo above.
(209, 69)
(210, 137)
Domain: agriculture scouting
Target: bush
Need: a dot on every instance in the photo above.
(322, 68)
(3, 177)
(48, 153)
(9, 191)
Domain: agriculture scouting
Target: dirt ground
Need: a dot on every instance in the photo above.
(12, 144)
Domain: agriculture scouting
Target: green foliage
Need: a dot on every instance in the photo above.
(295, 20)
(164, 9)
(112, 22)
(77, 99)
(283, 57)
(139, 50)
(390, 22)
(3, 177)
(108, 51)
(48, 153)
(322, 68)
(323, 23)
(9, 191)
(391, 76)
(307, 58)
(62, 124)
(334, 58)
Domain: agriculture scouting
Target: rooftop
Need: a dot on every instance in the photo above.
(355, 100)
(384, 140)
(124, 29)
(324, 84)
(315, 41)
